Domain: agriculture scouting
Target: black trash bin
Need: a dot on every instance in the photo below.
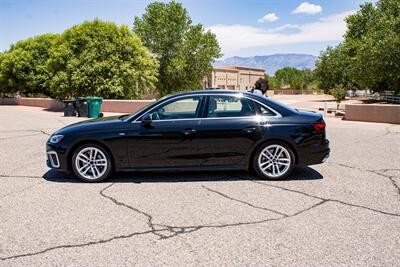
(82, 107)
(69, 108)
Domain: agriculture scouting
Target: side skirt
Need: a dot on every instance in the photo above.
(185, 169)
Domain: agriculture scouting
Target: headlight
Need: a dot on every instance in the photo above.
(56, 138)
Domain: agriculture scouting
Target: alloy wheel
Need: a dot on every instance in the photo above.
(91, 163)
(274, 161)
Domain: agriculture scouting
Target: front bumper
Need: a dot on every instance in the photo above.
(56, 157)
(314, 153)
(52, 160)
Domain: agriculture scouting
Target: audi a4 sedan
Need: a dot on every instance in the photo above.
(196, 130)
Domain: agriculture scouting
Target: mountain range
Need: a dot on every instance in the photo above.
(270, 63)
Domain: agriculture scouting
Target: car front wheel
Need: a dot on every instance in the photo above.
(274, 161)
(91, 163)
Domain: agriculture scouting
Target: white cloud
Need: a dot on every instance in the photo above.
(307, 8)
(236, 38)
(270, 17)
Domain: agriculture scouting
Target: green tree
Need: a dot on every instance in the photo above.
(308, 77)
(339, 93)
(290, 76)
(273, 83)
(23, 68)
(185, 51)
(332, 68)
(369, 56)
(373, 42)
(102, 59)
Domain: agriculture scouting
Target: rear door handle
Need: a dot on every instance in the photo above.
(189, 132)
(249, 130)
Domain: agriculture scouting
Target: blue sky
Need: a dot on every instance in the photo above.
(243, 27)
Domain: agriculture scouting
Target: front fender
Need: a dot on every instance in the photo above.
(115, 145)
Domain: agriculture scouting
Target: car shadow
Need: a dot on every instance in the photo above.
(299, 174)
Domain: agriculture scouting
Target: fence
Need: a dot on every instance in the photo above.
(386, 96)
(296, 92)
(389, 97)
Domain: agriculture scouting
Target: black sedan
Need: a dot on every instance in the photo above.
(197, 130)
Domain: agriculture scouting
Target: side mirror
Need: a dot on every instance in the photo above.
(146, 120)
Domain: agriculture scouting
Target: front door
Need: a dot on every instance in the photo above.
(170, 139)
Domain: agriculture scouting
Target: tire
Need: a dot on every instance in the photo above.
(91, 163)
(268, 165)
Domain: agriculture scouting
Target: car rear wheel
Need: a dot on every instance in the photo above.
(91, 163)
(274, 160)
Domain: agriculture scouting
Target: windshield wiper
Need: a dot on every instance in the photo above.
(123, 116)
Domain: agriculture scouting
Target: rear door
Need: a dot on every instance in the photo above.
(228, 130)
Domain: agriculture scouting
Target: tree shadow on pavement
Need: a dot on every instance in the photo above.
(299, 174)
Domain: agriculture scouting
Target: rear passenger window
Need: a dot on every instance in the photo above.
(261, 110)
(229, 106)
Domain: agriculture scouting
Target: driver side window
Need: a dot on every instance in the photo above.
(183, 108)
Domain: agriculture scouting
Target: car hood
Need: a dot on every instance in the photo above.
(97, 124)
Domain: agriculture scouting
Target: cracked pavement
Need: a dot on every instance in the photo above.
(343, 212)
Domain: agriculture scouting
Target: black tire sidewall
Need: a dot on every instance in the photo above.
(109, 163)
(257, 154)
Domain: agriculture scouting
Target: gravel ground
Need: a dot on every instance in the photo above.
(343, 212)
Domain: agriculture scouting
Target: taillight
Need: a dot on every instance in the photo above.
(319, 127)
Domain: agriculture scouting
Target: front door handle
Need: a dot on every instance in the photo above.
(249, 130)
(189, 132)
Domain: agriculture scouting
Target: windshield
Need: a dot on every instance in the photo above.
(128, 116)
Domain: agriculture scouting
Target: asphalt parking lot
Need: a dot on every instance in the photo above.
(343, 212)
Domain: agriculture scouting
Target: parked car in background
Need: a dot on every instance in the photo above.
(196, 130)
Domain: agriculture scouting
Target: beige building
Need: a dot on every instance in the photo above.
(233, 77)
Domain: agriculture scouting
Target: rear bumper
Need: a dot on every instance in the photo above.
(314, 153)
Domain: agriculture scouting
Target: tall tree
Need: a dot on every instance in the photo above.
(332, 68)
(102, 59)
(373, 41)
(185, 51)
(23, 68)
(273, 83)
(290, 76)
(369, 56)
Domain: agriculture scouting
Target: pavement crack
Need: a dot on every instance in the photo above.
(326, 199)
(19, 136)
(35, 133)
(174, 230)
(192, 228)
(42, 132)
(380, 172)
(22, 190)
(387, 129)
(101, 241)
(27, 130)
(20, 176)
(177, 230)
(244, 202)
(387, 132)
(391, 178)
(283, 188)
(119, 203)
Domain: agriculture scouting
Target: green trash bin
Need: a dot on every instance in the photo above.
(94, 104)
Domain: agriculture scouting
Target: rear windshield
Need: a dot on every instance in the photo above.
(275, 104)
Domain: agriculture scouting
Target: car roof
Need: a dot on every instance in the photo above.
(209, 91)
